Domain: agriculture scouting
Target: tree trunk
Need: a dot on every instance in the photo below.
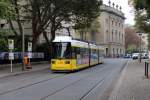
(34, 41)
(68, 31)
(12, 27)
(47, 40)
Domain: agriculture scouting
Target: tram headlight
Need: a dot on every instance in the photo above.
(53, 62)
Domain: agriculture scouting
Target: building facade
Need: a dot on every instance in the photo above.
(112, 35)
(144, 42)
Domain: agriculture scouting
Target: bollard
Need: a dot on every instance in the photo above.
(147, 69)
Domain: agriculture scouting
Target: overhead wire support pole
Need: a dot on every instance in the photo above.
(23, 48)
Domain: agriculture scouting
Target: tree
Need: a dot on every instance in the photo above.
(16, 17)
(3, 8)
(131, 38)
(3, 42)
(131, 48)
(52, 13)
(142, 16)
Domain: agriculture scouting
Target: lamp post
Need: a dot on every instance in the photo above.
(23, 48)
(23, 45)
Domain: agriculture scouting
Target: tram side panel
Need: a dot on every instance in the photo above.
(94, 57)
(82, 57)
(101, 56)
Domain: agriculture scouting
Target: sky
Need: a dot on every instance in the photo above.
(126, 9)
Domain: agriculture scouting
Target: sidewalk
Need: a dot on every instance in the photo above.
(132, 84)
(17, 69)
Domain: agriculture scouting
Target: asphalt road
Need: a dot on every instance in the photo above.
(95, 83)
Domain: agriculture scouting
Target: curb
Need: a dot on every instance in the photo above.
(117, 85)
(22, 72)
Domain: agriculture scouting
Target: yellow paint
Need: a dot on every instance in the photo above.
(82, 66)
(59, 64)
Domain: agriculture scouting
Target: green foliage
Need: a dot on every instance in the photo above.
(86, 11)
(3, 42)
(131, 48)
(3, 45)
(95, 26)
(142, 16)
(5, 9)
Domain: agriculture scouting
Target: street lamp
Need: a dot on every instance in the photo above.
(23, 41)
(23, 48)
(23, 45)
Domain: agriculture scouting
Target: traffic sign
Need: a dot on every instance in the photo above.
(11, 44)
(29, 46)
(11, 56)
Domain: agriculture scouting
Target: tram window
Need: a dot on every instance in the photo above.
(67, 50)
(94, 53)
(78, 50)
(83, 52)
(74, 53)
(61, 50)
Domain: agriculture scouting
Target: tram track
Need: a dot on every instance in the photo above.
(39, 82)
(32, 84)
(92, 74)
(99, 83)
(80, 85)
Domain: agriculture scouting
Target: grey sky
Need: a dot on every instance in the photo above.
(125, 8)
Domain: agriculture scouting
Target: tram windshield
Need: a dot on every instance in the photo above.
(61, 50)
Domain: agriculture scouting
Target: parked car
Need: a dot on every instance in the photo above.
(127, 56)
(135, 55)
(144, 56)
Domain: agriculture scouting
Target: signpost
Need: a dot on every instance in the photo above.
(11, 54)
(29, 51)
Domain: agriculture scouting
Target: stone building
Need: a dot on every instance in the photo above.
(112, 30)
(110, 35)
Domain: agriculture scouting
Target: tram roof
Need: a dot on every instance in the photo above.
(74, 42)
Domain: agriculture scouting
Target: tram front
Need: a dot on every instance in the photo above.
(61, 57)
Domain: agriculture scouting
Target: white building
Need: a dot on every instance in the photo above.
(112, 30)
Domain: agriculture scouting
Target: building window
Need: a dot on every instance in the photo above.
(116, 36)
(112, 23)
(116, 23)
(122, 38)
(119, 36)
(107, 36)
(112, 35)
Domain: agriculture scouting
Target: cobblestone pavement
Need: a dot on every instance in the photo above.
(132, 84)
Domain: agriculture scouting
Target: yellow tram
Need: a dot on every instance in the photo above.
(69, 54)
